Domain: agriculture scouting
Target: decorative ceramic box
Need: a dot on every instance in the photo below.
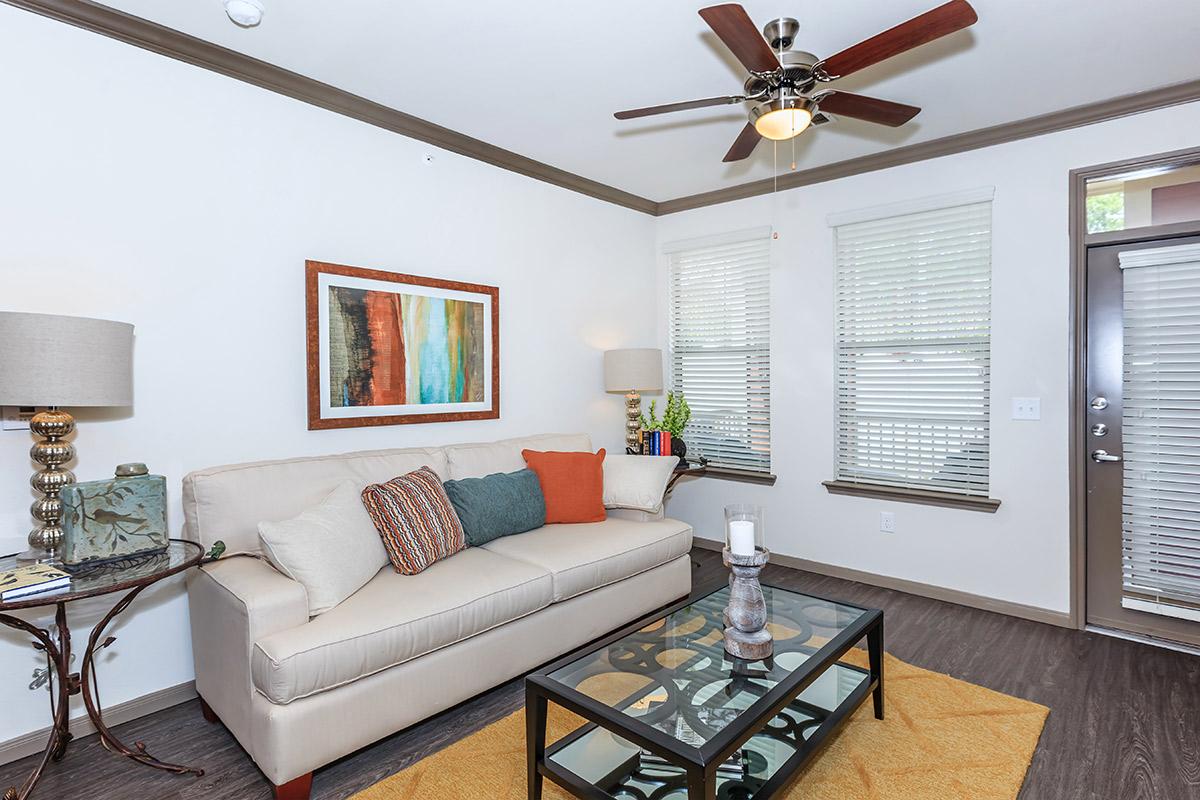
(114, 519)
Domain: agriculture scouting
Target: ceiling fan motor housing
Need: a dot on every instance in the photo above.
(796, 72)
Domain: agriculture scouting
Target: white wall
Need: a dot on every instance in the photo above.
(141, 189)
(1019, 554)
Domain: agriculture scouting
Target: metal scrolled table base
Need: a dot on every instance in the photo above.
(65, 684)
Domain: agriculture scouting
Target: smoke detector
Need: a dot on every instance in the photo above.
(246, 13)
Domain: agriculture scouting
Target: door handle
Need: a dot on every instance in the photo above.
(1102, 456)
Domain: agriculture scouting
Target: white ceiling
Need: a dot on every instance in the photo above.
(543, 77)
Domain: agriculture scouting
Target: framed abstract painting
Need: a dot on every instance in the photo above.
(389, 349)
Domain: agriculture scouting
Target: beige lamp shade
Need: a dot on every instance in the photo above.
(51, 360)
(634, 370)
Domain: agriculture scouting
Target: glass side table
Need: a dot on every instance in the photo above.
(130, 576)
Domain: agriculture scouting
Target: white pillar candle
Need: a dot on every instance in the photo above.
(741, 537)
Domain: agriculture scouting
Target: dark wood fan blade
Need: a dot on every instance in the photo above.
(941, 21)
(744, 144)
(871, 109)
(733, 26)
(684, 106)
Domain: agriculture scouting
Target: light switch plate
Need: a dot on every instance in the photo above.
(1027, 408)
(16, 418)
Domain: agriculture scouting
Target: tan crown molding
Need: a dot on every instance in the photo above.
(174, 44)
(189, 49)
(1075, 117)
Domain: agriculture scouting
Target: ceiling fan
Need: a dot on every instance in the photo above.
(782, 80)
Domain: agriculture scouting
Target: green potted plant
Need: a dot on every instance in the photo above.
(674, 420)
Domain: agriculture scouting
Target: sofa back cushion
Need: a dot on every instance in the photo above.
(227, 503)
(480, 460)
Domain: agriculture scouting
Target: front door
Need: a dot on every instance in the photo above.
(1143, 437)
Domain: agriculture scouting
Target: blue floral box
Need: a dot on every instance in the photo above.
(116, 518)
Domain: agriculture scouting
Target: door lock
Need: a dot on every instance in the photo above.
(1103, 456)
(1099, 429)
(1099, 403)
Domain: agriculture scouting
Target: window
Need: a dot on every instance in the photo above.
(1147, 196)
(720, 342)
(1160, 504)
(913, 309)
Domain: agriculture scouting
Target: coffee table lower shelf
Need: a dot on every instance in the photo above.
(595, 763)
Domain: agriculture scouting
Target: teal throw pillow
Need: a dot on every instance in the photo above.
(498, 505)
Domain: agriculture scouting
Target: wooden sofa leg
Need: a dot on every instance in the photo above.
(209, 714)
(299, 789)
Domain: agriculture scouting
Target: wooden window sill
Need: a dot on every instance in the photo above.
(739, 475)
(921, 496)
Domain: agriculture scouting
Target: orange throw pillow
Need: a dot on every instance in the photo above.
(572, 483)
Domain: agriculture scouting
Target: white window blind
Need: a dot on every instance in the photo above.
(1160, 422)
(720, 341)
(913, 317)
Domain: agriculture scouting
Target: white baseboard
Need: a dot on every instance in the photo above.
(1059, 618)
(35, 741)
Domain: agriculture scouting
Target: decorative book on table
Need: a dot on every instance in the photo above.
(31, 580)
(654, 443)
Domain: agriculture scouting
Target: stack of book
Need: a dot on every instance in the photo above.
(30, 580)
(655, 443)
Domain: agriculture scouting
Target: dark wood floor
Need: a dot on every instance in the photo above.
(1124, 721)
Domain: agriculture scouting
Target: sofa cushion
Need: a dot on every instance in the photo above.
(586, 556)
(478, 460)
(396, 618)
(227, 503)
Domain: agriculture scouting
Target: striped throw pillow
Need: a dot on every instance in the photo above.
(416, 520)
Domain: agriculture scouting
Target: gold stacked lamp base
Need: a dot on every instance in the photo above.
(52, 452)
(633, 423)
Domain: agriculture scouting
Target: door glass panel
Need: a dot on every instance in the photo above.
(1160, 510)
(1157, 196)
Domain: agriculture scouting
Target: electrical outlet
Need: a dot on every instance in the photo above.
(887, 522)
(1027, 408)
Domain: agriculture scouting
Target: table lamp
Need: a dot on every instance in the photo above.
(631, 372)
(52, 361)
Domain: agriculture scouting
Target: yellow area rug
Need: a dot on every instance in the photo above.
(942, 739)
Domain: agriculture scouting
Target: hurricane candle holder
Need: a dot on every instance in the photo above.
(746, 634)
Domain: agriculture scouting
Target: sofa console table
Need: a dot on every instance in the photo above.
(131, 576)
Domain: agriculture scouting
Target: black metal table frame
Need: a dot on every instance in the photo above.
(540, 689)
(65, 684)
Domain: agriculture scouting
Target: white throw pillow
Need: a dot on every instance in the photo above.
(332, 549)
(637, 482)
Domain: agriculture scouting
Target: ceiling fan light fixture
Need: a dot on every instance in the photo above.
(782, 119)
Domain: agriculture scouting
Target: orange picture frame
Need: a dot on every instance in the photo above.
(388, 348)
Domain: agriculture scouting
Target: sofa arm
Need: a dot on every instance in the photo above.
(233, 603)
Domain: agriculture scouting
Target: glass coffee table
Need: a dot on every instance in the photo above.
(671, 716)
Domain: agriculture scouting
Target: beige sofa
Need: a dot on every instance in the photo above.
(300, 693)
